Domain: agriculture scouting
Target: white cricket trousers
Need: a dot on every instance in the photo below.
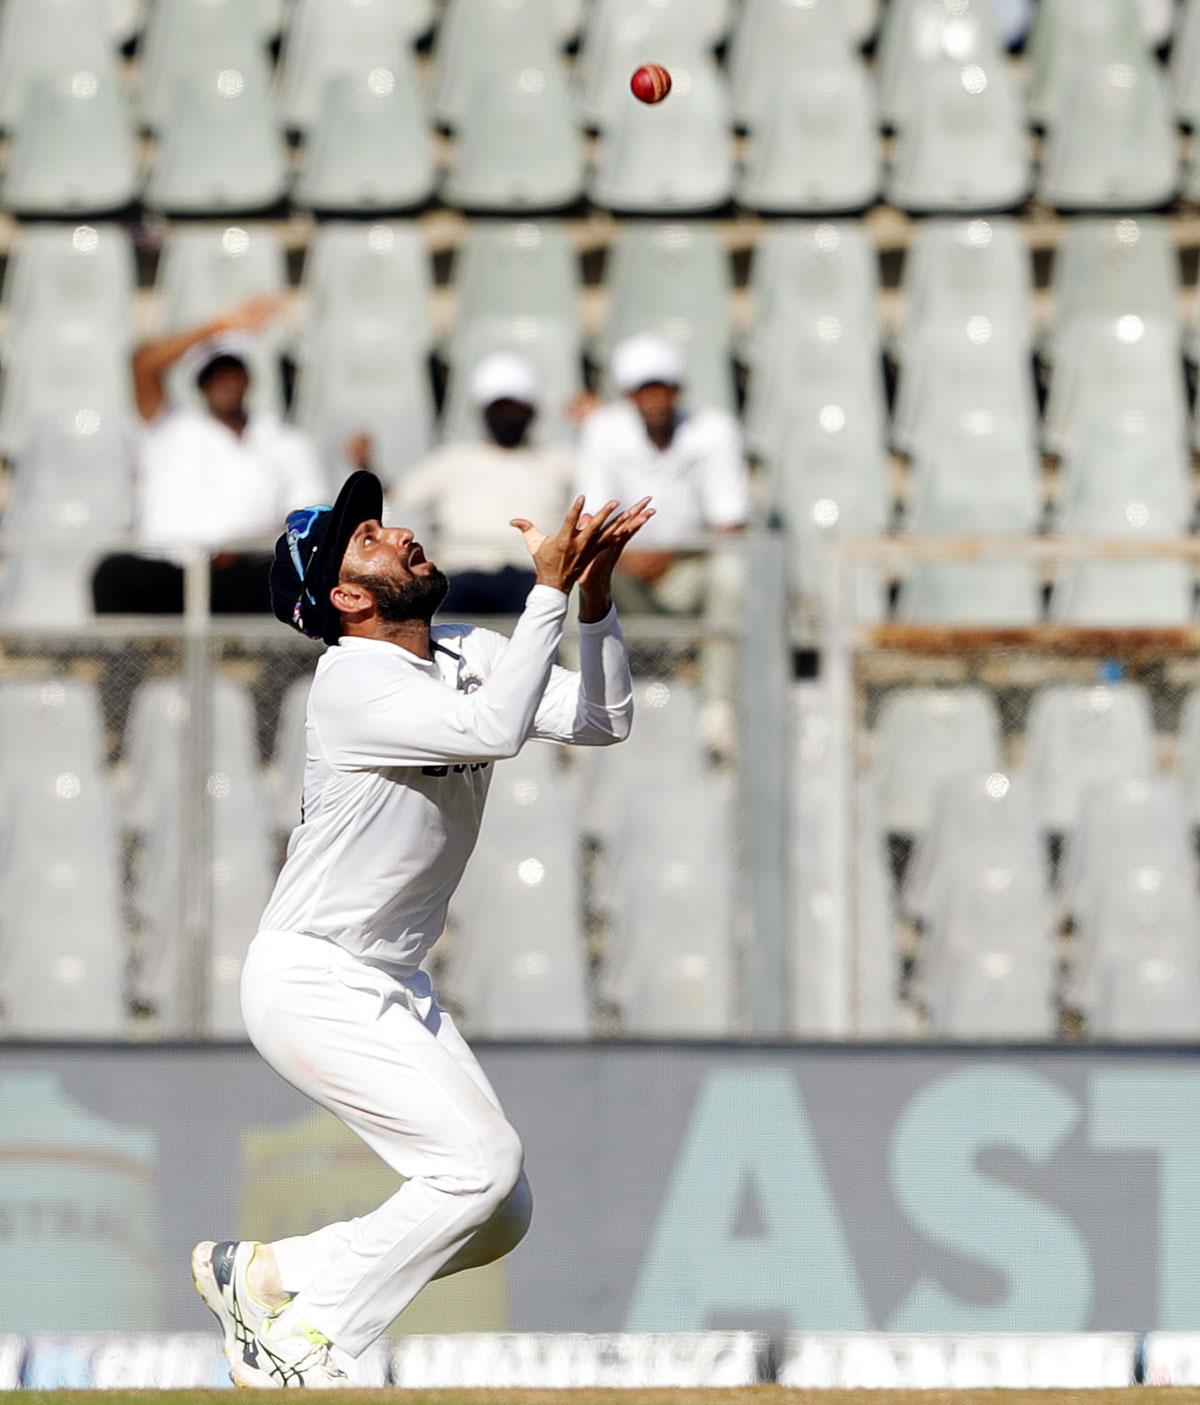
(381, 1054)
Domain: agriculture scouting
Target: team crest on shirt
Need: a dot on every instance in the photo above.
(469, 682)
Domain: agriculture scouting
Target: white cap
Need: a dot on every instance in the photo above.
(506, 376)
(239, 345)
(646, 359)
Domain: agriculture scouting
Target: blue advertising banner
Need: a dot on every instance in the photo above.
(677, 1187)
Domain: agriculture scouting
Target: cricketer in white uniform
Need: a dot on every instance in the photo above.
(403, 724)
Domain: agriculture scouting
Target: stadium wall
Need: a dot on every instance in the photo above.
(678, 1187)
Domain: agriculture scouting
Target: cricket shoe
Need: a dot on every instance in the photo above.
(219, 1273)
(287, 1353)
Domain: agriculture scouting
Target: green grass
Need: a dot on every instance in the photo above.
(759, 1395)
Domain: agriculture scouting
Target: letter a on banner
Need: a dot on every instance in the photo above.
(749, 1226)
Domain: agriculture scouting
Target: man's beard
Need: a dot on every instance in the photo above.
(416, 598)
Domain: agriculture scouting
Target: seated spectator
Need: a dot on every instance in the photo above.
(694, 467)
(465, 495)
(207, 477)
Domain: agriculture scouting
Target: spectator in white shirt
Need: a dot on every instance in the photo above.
(209, 477)
(465, 495)
(694, 466)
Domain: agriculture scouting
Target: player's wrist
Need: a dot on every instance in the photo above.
(594, 605)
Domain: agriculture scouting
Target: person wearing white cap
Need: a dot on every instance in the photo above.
(207, 477)
(694, 465)
(464, 494)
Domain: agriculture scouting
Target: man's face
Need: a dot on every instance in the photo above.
(508, 422)
(224, 389)
(393, 567)
(658, 406)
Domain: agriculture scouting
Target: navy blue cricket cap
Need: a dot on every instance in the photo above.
(308, 557)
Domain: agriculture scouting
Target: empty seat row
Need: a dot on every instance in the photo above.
(1075, 737)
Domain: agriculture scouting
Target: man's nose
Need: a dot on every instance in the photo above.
(401, 536)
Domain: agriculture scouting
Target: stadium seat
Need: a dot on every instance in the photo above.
(976, 477)
(75, 480)
(670, 969)
(241, 845)
(919, 35)
(62, 369)
(517, 962)
(204, 270)
(481, 36)
(365, 374)
(816, 952)
(966, 372)
(59, 858)
(1067, 37)
(990, 991)
(353, 270)
(621, 34)
(59, 274)
(1151, 997)
(74, 153)
(190, 38)
(773, 40)
(221, 149)
(924, 735)
(1113, 268)
(1185, 65)
(1079, 736)
(831, 480)
(814, 149)
(71, 497)
(675, 279)
(982, 837)
(329, 39)
(999, 594)
(674, 159)
(1120, 460)
(958, 269)
(1113, 146)
(518, 148)
(963, 146)
(1118, 594)
(1133, 826)
(1109, 366)
(369, 148)
(812, 270)
(48, 41)
(73, 493)
(613, 780)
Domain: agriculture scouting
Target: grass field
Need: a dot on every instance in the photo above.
(759, 1395)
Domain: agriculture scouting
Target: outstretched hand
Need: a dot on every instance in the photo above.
(561, 560)
(596, 579)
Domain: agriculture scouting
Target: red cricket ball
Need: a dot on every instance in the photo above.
(651, 83)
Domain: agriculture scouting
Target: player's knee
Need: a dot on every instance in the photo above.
(503, 1164)
(513, 1218)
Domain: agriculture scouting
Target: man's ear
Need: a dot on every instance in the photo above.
(348, 597)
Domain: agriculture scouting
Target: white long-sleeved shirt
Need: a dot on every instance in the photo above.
(398, 766)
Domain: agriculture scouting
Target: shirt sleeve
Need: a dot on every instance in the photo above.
(725, 480)
(593, 707)
(404, 717)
